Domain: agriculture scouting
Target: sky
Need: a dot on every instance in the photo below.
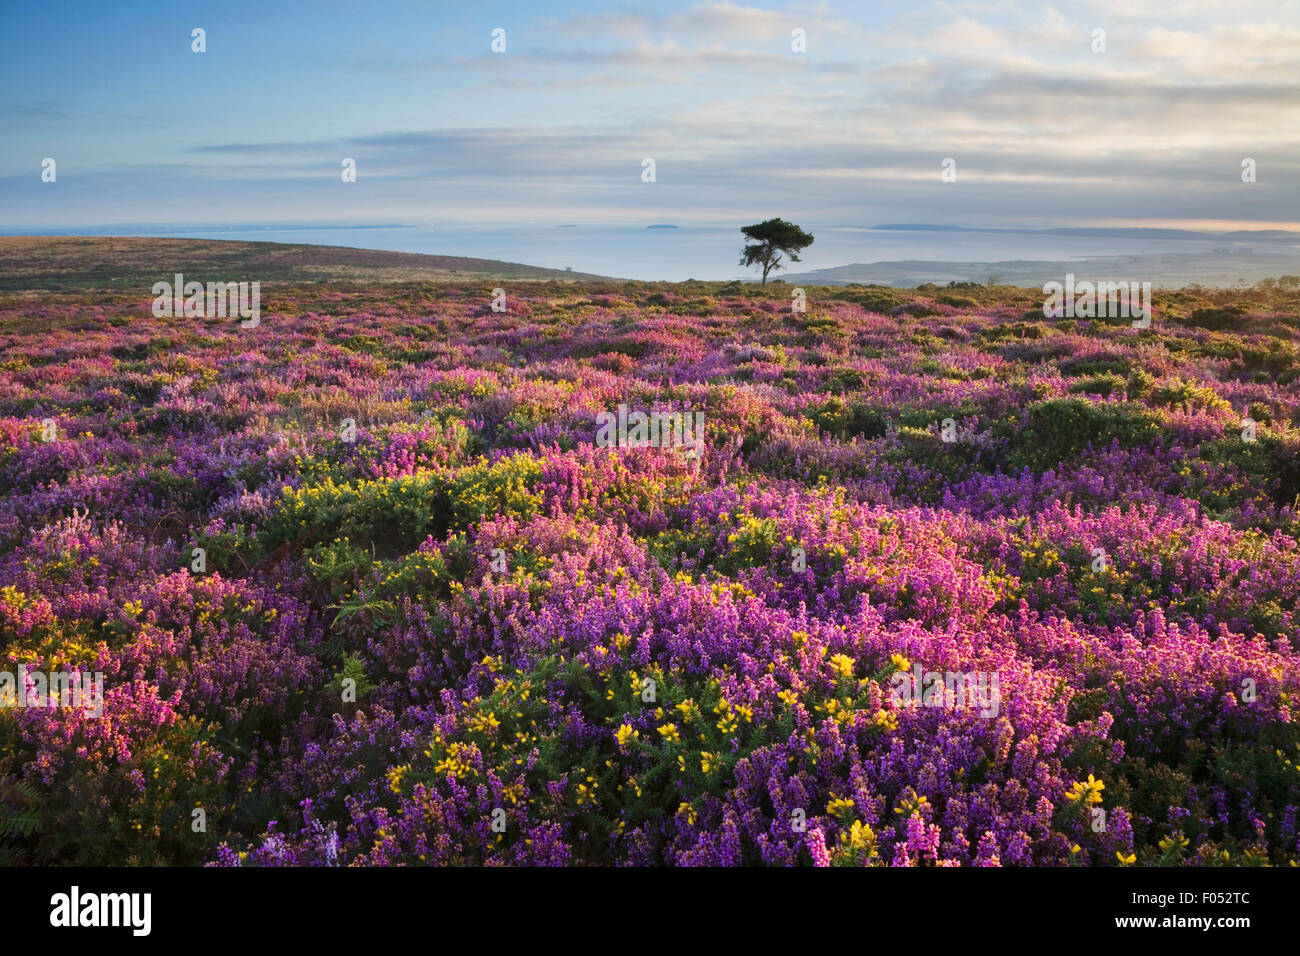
(1044, 130)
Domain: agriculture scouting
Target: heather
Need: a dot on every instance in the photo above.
(435, 622)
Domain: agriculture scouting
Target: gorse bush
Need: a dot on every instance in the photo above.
(501, 488)
(1058, 430)
(390, 514)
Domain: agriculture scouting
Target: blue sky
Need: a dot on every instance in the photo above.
(1044, 130)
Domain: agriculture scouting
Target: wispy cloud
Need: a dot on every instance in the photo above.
(1042, 126)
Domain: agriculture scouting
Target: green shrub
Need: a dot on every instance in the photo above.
(389, 515)
(1139, 383)
(844, 420)
(1060, 429)
(1189, 396)
(879, 299)
(1217, 319)
(1104, 385)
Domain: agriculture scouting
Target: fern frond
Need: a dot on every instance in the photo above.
(11, 855)
(22, 823)
(28, 792)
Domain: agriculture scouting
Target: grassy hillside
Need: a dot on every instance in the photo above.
(62, 262)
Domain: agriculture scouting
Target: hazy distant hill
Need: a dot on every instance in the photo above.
(1103, 232)
(1169, 269)
(54, 262)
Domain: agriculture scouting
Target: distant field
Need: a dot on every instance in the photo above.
(64, 262)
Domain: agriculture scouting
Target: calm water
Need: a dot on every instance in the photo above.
(698, 252)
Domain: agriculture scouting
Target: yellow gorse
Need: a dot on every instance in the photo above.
(625, 735)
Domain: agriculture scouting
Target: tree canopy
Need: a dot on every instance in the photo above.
(770, 239)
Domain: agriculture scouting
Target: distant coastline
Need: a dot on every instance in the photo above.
(888, 254)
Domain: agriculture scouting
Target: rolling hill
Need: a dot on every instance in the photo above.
(65, 262)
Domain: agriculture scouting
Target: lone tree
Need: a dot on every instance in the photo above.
(772, 238)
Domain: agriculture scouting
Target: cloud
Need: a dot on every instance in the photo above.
(1041, 126)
